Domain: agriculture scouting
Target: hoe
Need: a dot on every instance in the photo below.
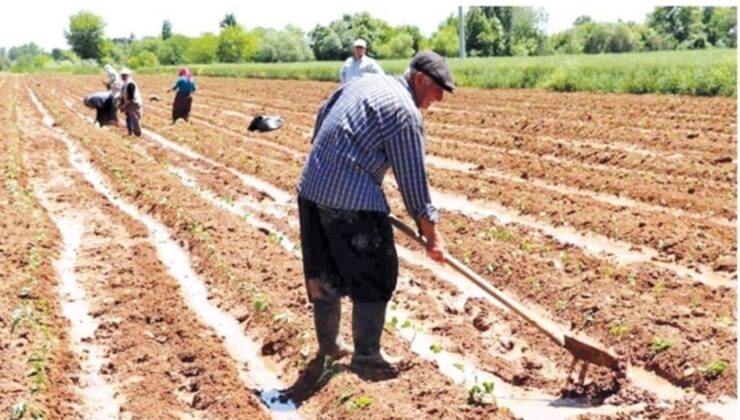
(578, 347)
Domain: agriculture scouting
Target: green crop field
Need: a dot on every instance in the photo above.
(700, 72)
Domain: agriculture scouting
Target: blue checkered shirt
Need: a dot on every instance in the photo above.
(364, 128)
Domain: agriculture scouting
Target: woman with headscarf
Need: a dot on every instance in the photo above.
(185, 86)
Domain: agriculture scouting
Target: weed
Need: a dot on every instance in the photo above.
(659, 345)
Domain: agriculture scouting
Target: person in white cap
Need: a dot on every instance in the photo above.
(131, 103)
(359, 63)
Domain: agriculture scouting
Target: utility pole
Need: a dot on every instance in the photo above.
(461, 30)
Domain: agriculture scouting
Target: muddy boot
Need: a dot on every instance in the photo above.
(326, 316)
(368, 319)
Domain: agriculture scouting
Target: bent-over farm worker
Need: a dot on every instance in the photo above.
(131, 103)
(359, 63)
(364, 128)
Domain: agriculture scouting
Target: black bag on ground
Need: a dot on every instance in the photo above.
(264, 123)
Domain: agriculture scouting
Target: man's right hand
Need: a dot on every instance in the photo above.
(435, 244)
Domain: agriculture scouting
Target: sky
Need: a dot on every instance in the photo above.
(44, 22)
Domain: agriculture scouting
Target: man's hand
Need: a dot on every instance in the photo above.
(435, 243)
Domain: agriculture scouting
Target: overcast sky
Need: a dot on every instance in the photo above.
(43, 22)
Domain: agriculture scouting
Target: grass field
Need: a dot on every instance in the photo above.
(702, 73)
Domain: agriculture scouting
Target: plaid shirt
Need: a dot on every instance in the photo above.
(364, 128)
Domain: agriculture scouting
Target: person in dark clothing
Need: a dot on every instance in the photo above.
(105, 108)
(185, 86)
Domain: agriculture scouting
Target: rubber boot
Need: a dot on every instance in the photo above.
(368, 319)
(327, 316)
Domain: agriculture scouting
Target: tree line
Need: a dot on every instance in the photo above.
(489, 31)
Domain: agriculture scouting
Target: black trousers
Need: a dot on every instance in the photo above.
(348, 252)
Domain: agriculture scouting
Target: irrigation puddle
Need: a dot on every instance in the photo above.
(99, 396)
(252, 369)
(454, 165)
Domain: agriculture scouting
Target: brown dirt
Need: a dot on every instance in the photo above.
(671, 157)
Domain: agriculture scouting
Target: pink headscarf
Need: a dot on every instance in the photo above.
(184, 72)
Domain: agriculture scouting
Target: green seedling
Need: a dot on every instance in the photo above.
(588, 316)
(714, 369)
(619, 330)
(18, 410)
(535, 284)
(297, 247)
(276, 238)
(608, 271)
(283, 318)
(467, 254)
(529, 247)
(330, 370)
(491, 267)
(436, 348)
(406, 324)
(482, 395)
(260, 303)
(459, 366)
(659, 345)
(694, 302)
(561, 305)
(392, 324)
(632, 280)
(394, 307)
(363, 401)
(659, 288)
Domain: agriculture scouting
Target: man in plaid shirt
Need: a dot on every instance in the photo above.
(367, 126)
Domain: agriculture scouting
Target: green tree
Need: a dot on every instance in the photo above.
(326, 43)
(143, 59)
(85, 35)
(202, 50)
(288, 45)
(172, 50)
(484, 36)
(721, 26)
(681, 24)
(228, 20)
(166, 29)
(235, 45)
(399, 46)
(580, 20)
(25, 50)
